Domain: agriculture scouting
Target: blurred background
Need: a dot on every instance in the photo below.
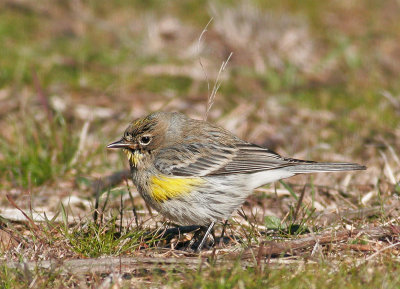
(310, 79)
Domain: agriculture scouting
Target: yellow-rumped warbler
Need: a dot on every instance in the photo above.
(196, 173)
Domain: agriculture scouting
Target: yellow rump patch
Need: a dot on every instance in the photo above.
(164, 188)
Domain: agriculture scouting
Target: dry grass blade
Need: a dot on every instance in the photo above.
(388, 168)
(25, 215)
(200, 61)
(42, 96)
(299, 202)
(132, 202)
(217, 84)
(81, 144)
(394, 101)
(8, 240)
(381, 250)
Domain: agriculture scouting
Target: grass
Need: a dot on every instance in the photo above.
(106, 240)
(306, 81)
(37, 151)
(110, 238)
(318, 275)
(179, 85)
(20, 278)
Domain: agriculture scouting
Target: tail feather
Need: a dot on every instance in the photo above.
(325, 167)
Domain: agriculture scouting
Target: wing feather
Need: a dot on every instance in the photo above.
(207, 159)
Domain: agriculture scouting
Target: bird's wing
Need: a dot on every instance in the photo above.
(251, 158)
(207, 159)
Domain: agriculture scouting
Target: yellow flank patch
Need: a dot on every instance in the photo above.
(134, 158)
(164, 188)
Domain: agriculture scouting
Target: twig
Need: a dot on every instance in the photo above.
(107, 182)
(325, 218)
(109, 265)
(277, 248)
(359, 247)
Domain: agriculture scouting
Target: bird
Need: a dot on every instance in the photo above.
(197, 173)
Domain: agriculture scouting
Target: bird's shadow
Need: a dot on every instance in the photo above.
(172, 237)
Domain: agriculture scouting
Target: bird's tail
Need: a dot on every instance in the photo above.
(324, 167)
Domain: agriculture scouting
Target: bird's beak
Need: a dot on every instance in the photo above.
(121, 144)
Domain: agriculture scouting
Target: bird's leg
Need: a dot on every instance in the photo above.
(205, 236)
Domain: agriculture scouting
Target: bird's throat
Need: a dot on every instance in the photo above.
(135, 157)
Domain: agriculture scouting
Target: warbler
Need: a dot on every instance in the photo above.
(197, 173)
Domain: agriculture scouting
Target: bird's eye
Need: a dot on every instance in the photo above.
(145, 140)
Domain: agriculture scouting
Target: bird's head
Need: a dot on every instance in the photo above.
(147, 135)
